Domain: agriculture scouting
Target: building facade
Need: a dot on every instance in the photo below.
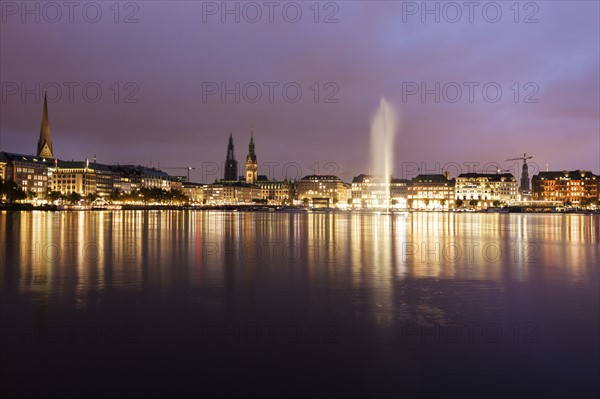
(322, 191)
(82, 178)
(231, 193)
(483, 190)
(431, 191)
(194, 191)
(577, 187)
(28, 172)
(275, 192)
(370, 192)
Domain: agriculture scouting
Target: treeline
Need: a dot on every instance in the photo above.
(10, 192)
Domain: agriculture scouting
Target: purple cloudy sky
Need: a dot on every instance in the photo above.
(176, 49)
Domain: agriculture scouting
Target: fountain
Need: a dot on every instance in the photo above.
(383, 130)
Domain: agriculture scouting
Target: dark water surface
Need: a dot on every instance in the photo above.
(270, 304)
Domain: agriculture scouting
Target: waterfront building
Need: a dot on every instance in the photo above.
(136, 177)
(275, 192)
(367, 191)
(82, 177)
(578, 187)
(482, 190)
(399, 193)
(231, 193)
(194, 191)
(30, 173)
(431, 191)
(322, 191)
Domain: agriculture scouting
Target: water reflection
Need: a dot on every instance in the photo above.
(77, 257)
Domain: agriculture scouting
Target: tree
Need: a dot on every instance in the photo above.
(473, 202)
(586, 202)
(12, 191)
(459, 203)
(54, 196)
(74, 197)
(115, 194)
(497, 203)
(305, 201)
(91, 197)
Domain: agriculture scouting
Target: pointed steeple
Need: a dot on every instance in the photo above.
(231, 165)
(44, 148)
(230, 154)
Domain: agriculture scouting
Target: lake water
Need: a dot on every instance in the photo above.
(302, 304)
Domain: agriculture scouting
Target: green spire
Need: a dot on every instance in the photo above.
(44, 148)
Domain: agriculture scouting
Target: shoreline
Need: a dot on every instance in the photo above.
(275, 208)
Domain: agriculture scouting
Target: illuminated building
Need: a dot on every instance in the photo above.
(231, 193)
(251, 163)
(485, 189)
(28, 172)
(578, 187)
(433, 192)
(275, 192)
(194, 191)
(368, 191)
(322, 191)
(82, 177)
(136, 177)
(3, 163)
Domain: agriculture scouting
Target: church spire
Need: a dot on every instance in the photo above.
(231, 165)
(44, 148)
(230, 154)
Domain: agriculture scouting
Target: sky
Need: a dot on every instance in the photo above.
(162, 83)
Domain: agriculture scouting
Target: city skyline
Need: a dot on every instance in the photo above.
(230, 169)
(45, 179)
(300, 199)
(167, 115)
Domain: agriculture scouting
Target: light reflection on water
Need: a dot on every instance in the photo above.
(385, 286)
(55, 255)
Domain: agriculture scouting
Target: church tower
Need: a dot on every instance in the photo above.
(251, 163)
(231, 165)
(525, 179)
(44, 147)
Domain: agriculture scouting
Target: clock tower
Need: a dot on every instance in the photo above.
(251, 163)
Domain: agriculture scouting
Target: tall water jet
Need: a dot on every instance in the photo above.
(383, 130)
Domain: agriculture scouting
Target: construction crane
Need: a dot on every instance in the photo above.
(524, 174)
(524, 158)
(188, 168)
